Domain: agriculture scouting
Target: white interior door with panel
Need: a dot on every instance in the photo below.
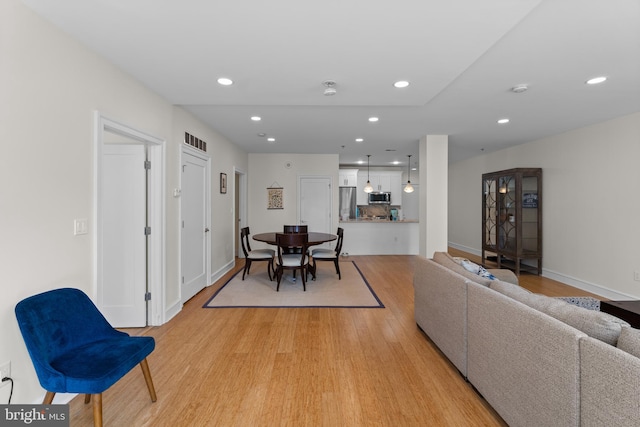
(123, 242)
(315, 202)
(194, 208)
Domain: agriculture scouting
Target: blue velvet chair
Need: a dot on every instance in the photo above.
(75, 350)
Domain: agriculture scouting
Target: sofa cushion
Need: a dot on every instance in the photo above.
(596, 324)
(629, 340)
(446, 260)
(516, 292)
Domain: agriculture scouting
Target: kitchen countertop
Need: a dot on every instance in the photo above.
(377, 220)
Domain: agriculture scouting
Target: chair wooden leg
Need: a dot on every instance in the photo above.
(302, 276)
(313, 270)
(279, 276)
(269, 268)
(247, 266)
(336, 262)
(147, 377)
(87, 398)
(48, 398)
(97, 410)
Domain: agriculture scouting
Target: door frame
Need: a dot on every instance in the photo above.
(186, 149)
(240, 195)
(156, 248)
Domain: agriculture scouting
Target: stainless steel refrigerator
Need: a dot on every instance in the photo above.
(347, 202)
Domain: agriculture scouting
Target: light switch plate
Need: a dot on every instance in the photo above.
(80, 226)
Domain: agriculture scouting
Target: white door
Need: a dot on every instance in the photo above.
(123, 243)
(315, 203)
(195, 196)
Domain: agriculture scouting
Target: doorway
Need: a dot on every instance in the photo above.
(315, 203)
(240, 206)
(195, 208)
(129, 216)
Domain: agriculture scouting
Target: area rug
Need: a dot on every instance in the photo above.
(353, 291)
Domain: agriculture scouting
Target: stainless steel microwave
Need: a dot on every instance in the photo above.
(380, 198)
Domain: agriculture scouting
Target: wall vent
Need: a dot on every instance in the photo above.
(195, 142)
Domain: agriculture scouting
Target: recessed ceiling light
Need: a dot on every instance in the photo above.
(256, 118)
(359, 139)
(596, 80)
(360, 162)
(503, 121)
(395, 162)
(401, 84)
(262, 134)
(373, 119)
(224, 81)
(519, 88)
(271, 139)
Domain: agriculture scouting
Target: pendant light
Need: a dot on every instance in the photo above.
(368, 188)
(408, 188)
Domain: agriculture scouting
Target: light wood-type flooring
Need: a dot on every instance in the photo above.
(301, 366)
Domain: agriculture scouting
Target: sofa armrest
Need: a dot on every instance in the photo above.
(523, 362)
(440, 309)
(609, 384)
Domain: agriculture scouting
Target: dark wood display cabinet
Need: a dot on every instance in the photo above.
(512, 219)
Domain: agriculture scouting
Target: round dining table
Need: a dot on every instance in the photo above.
(315, 238)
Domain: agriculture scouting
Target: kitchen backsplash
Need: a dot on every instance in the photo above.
(372, 211)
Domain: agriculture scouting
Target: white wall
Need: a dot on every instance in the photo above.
(267, 169)
(49, 89)
(591, 203)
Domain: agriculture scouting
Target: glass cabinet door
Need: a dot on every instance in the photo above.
(490, 213)
(507, 203)
(530, 213)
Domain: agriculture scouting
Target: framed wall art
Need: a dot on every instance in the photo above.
(223, 183)
(274, 198)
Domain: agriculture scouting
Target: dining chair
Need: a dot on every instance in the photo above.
(295, 229)
(74, 349)
(292, 261)
(255, 255)
(325, 254)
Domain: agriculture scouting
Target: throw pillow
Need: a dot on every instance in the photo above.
(629, 340)
(477, 269)
(585, 302)
(446, 260)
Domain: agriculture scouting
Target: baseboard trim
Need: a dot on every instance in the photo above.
(215, 276)
(172, 311)
(603, 291)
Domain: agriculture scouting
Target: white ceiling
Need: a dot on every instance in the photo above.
(461, 57)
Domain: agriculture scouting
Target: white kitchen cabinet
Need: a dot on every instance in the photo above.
(361, 196)
(396, 188)
(384, 182)
(348, 177)
(381, 181)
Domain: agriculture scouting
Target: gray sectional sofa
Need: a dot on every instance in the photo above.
(538, 361)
